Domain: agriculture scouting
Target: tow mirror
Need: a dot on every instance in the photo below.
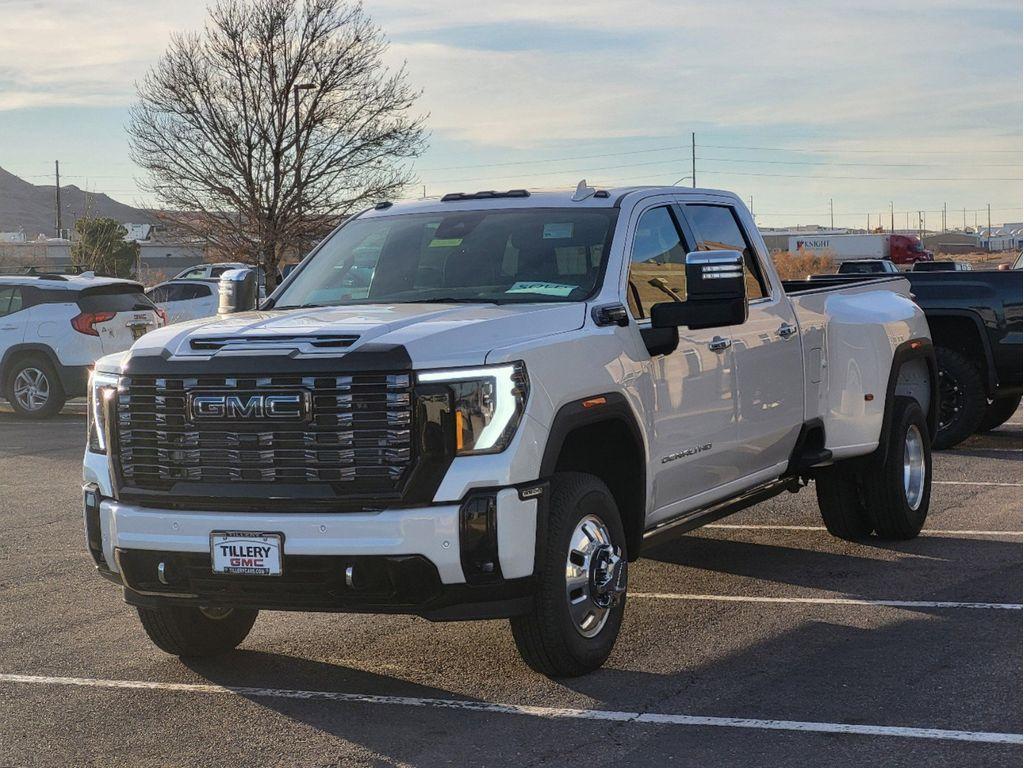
(716, 294)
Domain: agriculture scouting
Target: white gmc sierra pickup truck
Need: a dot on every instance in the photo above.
(485, 406)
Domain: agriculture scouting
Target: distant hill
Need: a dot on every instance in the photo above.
(29, 207)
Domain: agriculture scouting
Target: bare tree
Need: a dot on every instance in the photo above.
(216, 129)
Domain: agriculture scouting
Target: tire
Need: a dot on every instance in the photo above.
(998, 412)
(197, 632)
(557, 639)
(33, 388)
(962, 399)
(841, 500)
(899, 491)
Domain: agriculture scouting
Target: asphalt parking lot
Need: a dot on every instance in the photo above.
(758, 641)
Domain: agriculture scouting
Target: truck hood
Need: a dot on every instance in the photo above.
(432, 334)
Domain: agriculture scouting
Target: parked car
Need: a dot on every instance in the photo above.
(976, 326)
(530, 391)
(54, 327)
(942, 266)
(868, 266)
(185, 299)
(215, 270)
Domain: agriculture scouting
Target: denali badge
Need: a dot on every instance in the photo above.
(688, 452)
(249, 405)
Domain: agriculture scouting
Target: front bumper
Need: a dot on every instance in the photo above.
(405, 560)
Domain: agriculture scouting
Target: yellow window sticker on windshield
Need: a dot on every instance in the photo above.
(449, 243)
(547, 289)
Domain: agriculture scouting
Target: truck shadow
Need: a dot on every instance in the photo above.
(919, 569)
(824, 667)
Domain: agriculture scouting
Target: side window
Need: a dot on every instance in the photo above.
(158, 295)
(718, 229)
(10, 301)
(657, 269)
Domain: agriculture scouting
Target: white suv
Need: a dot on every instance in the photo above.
(54, 327)
(186, 299)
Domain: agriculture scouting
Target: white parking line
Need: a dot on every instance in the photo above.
(926, 532)
(828, 601)
(552, 713)
(975, 482)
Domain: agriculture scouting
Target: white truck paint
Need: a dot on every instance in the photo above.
(729, 413)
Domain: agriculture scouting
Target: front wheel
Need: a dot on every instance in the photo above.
(197, 632)
(581, 594)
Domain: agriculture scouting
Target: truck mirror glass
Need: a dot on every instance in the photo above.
(716, 293)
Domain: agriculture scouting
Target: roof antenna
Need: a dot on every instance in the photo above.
(582, 191)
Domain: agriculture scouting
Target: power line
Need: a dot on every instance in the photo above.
(554, 159)
(866, 151)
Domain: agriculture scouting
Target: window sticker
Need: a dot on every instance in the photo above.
(451, 242)
(558, 230)
(547, 289)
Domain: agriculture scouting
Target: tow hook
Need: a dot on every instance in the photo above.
(607, 576)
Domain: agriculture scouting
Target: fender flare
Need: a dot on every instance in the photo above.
(17, 350)
(912, 349)
(989, 373)
(573, 415)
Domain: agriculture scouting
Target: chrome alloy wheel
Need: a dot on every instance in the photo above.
(31, 389)
(595, 575)
(913, 467)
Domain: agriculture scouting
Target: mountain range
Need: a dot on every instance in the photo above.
(30, 207)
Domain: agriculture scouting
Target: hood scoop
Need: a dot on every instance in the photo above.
(276, 341)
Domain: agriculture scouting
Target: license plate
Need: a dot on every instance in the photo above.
(139, 323)
(247, 553)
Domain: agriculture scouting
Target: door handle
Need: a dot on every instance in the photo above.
(8, 327)
(718, 344)
(786, 330)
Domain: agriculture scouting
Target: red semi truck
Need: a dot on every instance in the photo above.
(899, 249)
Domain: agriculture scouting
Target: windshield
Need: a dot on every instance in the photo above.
(492, 256)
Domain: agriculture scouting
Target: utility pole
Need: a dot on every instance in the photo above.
(892, 219)
(989, 206)
(943, 217)
(965, 219)
(693, 157)
(831, 214)
(56, 198)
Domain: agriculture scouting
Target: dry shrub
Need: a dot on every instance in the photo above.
(797, 266)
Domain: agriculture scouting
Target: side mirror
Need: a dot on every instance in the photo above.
(716, 294)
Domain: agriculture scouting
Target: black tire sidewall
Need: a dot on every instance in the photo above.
(893, 516)
(573, 497)
(956, 367)
(56, 397)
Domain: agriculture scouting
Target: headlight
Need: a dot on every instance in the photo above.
(102, 387)
(487, 404)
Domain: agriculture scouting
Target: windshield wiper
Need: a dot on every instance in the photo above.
(447, 300)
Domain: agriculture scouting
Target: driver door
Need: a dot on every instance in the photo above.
(693, 388)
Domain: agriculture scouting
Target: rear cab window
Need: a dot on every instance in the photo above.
(718, 228)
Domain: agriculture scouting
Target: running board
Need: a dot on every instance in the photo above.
(677, 526)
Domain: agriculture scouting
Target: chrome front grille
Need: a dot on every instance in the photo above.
(357, 432)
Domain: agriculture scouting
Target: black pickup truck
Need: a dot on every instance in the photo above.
(975, 320)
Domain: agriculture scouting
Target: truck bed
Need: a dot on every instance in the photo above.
(817, 283)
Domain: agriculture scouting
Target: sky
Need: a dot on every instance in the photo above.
(794, 103)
